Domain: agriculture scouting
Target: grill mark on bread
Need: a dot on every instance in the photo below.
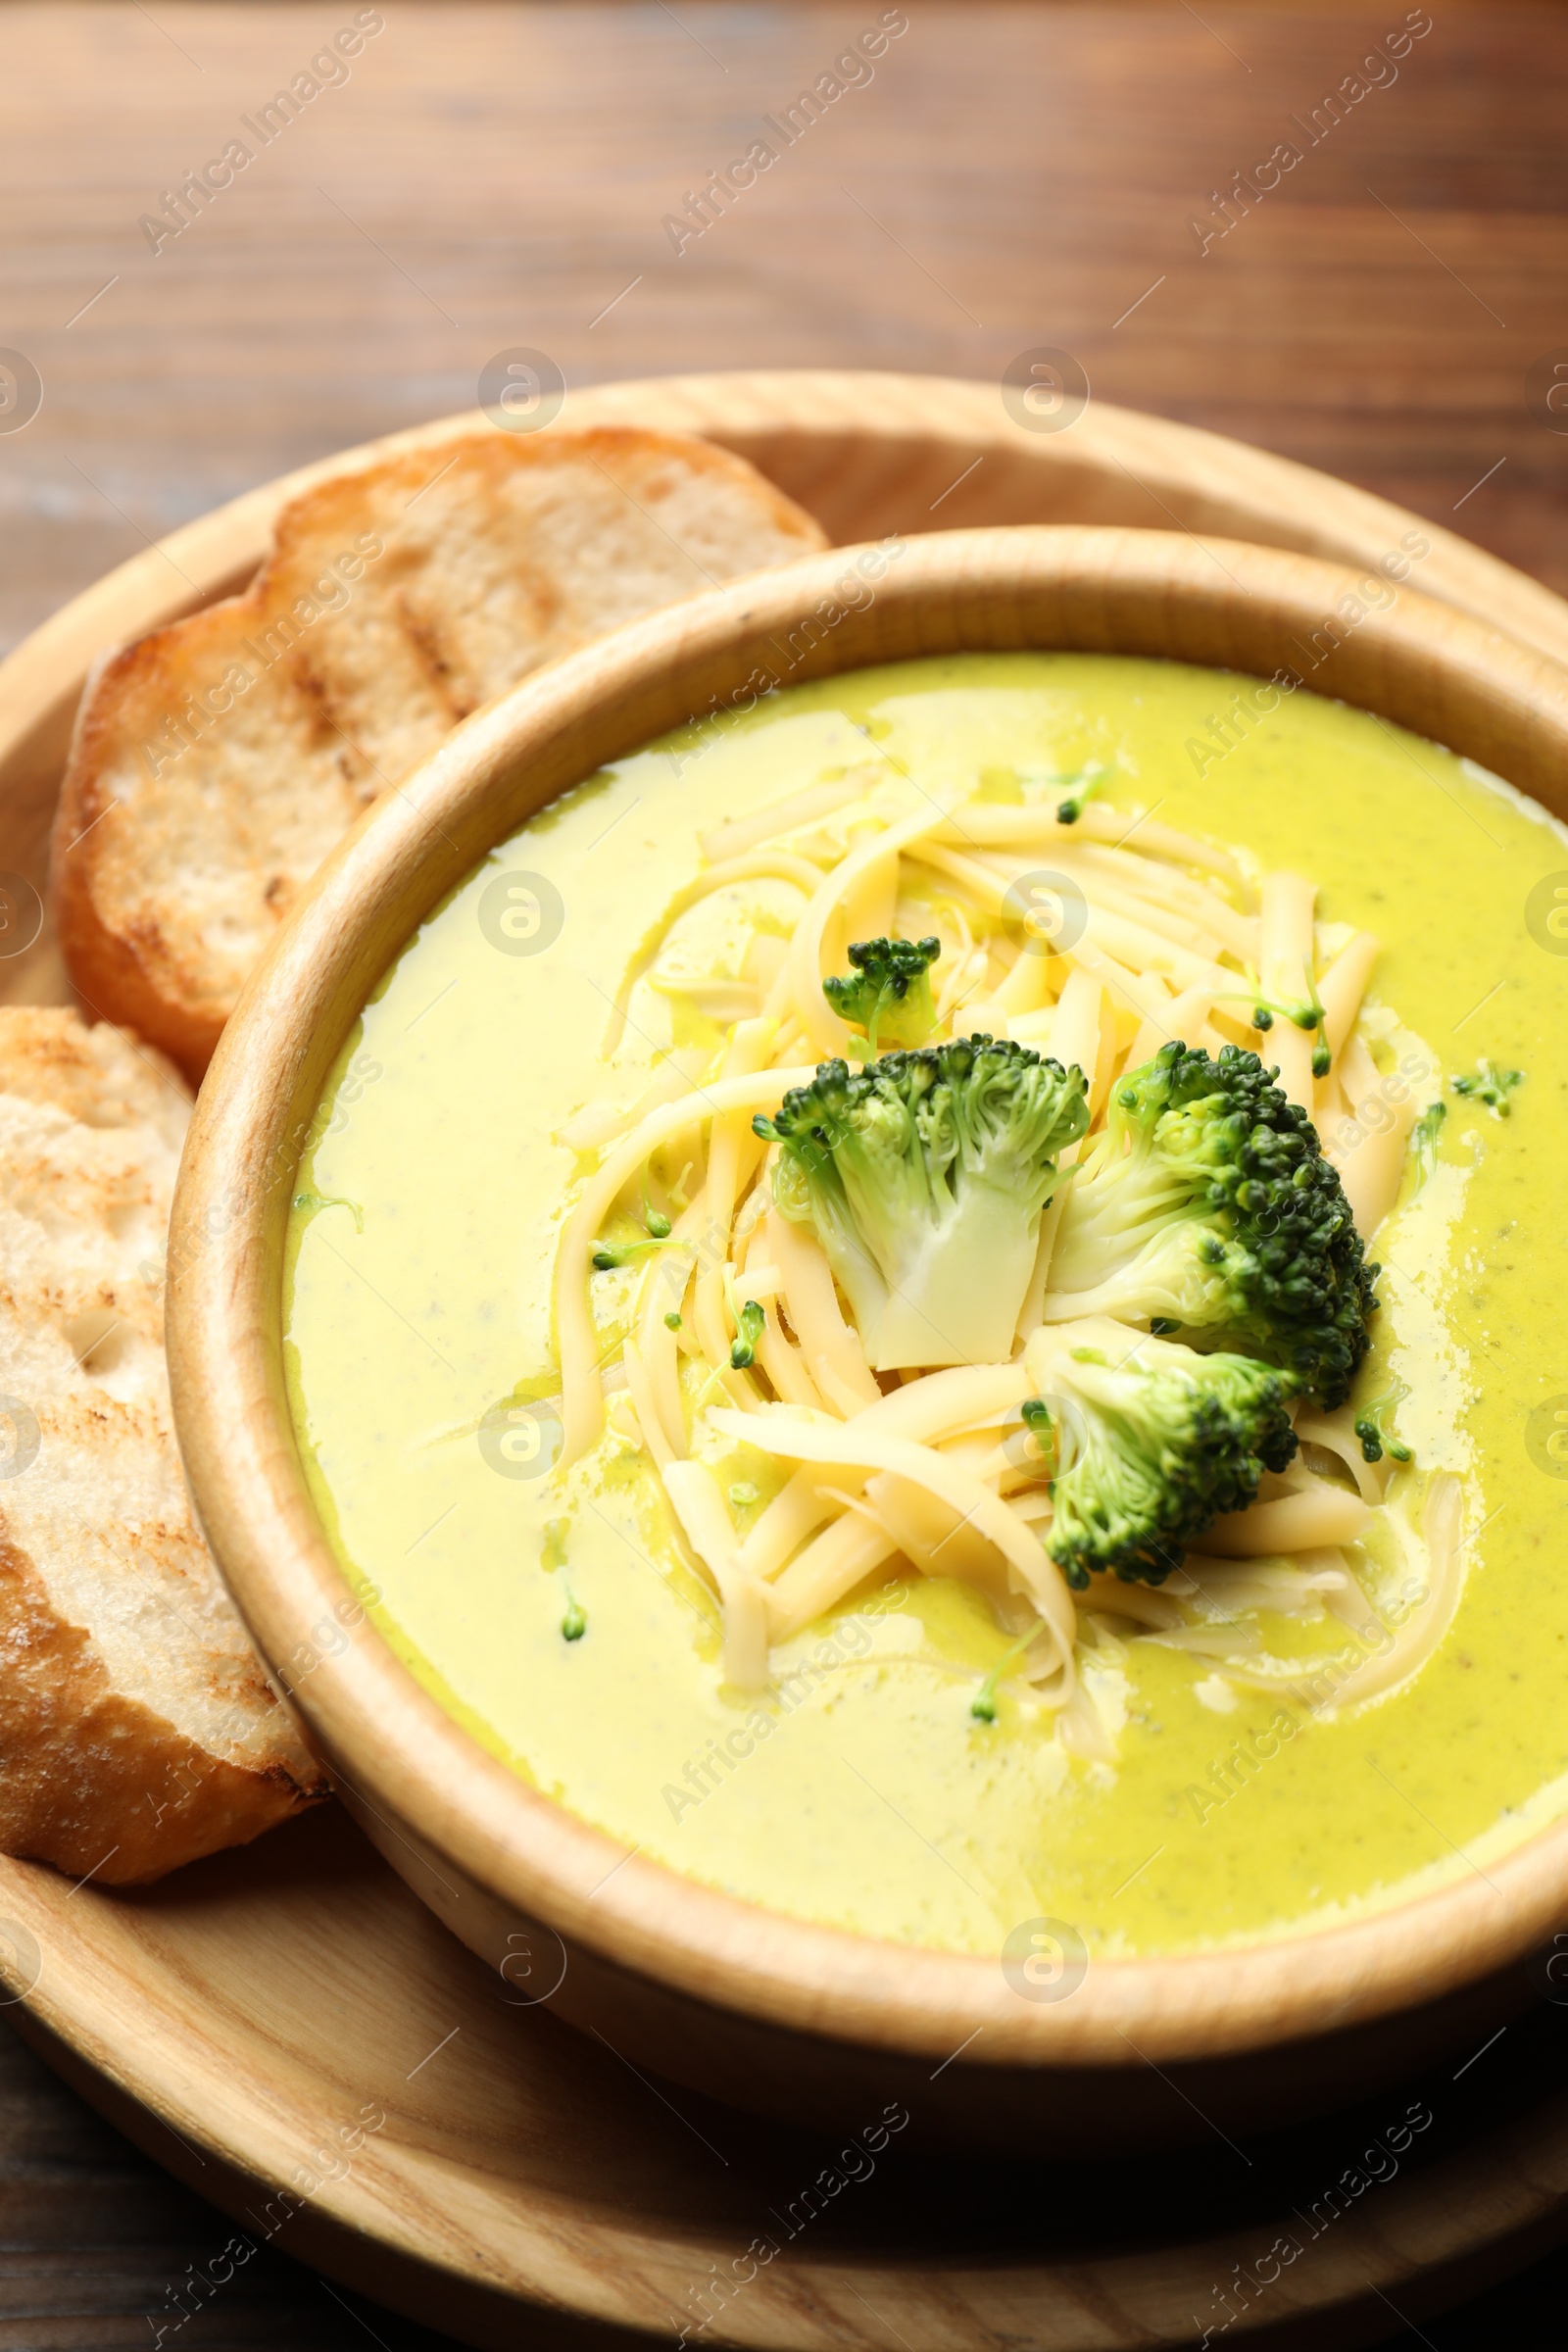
(422, 637)
(526, 549)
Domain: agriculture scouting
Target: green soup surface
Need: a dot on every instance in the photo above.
(861, 1791)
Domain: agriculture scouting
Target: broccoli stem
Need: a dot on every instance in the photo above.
(1372, 1427)
(1086, 783)
(1153, 1441)
(575, 1620)
(610, 1254)
(1306, 1014)
(888, 994)
(748, 1321)
(314, 1202)
(925, 1175)
(983, 1705)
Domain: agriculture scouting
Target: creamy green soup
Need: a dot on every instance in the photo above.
(553, 1616)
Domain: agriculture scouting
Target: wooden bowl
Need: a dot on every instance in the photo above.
(758, 2009)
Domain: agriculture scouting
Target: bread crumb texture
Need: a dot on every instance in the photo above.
(138, 1729)
(217, 762)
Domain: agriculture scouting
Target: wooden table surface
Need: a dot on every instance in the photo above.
(487, 178)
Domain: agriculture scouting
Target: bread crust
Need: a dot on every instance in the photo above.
(217, 762)
(98, 1782)
(137, 1727)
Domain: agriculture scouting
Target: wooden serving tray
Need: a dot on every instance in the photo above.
(290, 2012)
(293, 2033)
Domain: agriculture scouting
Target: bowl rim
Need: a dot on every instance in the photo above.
(1221, 603)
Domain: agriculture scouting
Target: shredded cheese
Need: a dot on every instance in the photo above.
(1159, 939)
(705, 1522)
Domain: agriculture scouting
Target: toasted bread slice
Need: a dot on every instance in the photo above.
(136, 1727)
(218, 762)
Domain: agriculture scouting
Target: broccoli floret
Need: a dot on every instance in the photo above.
(1424, 1140)
(1149, 1444)
(1372, 1427)
(1308, 1014)
(888, 994)
(659, 1236)
(925, 1175)
(1492, 1085)
(1085, 785)
(575, 1620)
(610, 1254)
(750, 1320)
(983, 1705)
(1208, 1205)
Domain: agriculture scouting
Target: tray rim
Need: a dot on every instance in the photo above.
(41, 681)
(1435, 2237)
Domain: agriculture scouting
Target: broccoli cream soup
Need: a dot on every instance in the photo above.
(940, 1305)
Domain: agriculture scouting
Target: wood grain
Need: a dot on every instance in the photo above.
(243, 2012)
(1013, 176)
(96, 2236)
